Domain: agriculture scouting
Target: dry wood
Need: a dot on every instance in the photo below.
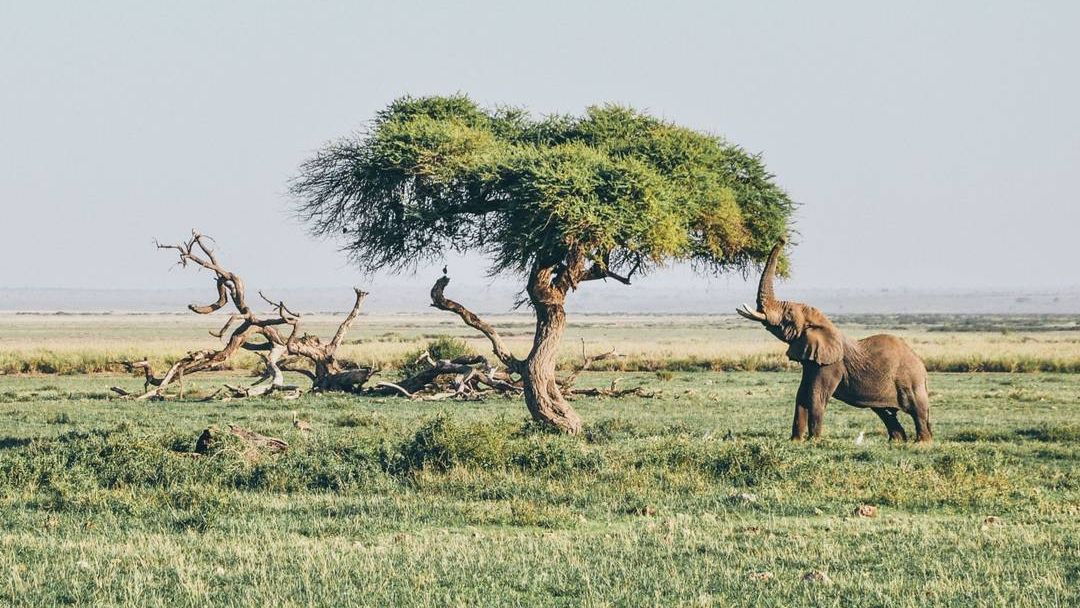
(567, 383)
(326, 371)
(472, 377)
(440, 301)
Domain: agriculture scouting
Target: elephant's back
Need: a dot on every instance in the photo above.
(887, 347)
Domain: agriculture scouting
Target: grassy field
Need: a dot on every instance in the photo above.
(395, 502)
(691, 497)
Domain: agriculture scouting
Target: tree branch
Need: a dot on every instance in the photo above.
(347, 323)
(586, 363)
(601, 271)
(440, 301)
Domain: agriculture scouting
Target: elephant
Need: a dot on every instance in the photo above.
(880, 372)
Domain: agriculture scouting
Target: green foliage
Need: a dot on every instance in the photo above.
(441, 444)
(58, 418)
(356, 420)
(442, 347)
(621, 187)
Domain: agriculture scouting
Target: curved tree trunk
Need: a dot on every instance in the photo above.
(547, 288)
(542, 394)
(547, 291)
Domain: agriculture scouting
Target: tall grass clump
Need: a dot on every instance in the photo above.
(441, 444)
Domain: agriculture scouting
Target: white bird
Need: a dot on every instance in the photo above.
(861, 438)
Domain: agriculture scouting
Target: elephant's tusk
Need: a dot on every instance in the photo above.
(753, 315)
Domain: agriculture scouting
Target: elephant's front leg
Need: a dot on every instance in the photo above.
(803, 403)
(817, 386)
(798, 426)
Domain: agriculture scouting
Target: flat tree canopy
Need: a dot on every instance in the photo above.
(559, 200)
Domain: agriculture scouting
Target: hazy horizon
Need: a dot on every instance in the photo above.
(499, 298)
(930, 146)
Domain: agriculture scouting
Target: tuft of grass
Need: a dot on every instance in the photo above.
(58, 418)
(356, 420)
(1047, 433)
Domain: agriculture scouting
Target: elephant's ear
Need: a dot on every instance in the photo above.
(821, 342)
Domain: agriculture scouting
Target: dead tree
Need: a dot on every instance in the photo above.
(325, 370)
(279, 353)
(472, 377)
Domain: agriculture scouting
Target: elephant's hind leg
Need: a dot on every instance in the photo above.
(896, 430)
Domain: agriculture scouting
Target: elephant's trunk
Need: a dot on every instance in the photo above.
(765, 295)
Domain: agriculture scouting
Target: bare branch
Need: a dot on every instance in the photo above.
(440, 301)
(282, 310)
(395, 387)
(586, 362)
(329, 373)
(224, 328)
(347, 323)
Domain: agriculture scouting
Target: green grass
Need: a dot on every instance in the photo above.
(464, 503)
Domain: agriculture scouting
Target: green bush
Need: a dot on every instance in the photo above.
(442, 347)
(441, 444)
(58, 418)
(356, 420)
(746, 464)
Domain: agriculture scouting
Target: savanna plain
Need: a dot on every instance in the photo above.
(688, 494)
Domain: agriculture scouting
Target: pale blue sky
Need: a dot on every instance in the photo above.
(924, 140)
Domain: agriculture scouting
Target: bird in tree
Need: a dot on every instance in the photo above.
(557, 200)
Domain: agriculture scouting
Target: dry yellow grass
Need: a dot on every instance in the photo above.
(87, 343)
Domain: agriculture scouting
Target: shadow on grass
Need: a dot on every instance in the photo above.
(1045, 433)
(7, 443)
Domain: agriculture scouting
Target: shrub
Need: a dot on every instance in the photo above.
(609, 429)
(442, 347)
(553, 454)
(354, 420)
(746, 464)
(442, 444)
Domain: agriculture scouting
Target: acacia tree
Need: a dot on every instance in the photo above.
(559, 201)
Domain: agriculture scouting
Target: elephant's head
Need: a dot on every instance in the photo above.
(810, 334)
